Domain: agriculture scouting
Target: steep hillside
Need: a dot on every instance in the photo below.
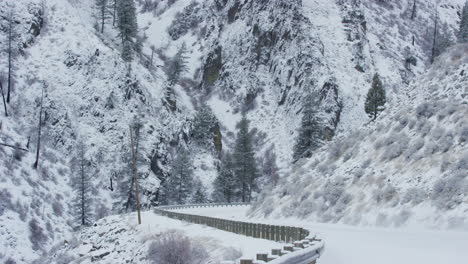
(408, 168)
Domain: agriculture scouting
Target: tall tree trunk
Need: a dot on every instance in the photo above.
(413, 13)
(3, 96)
(83, 195)
(135, 177)
(39, 131)
(434, 43)
(10, 57)
(114, 14)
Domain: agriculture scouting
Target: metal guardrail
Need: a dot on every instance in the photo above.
(303, 248)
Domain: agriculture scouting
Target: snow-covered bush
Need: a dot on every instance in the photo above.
(463, 133)
(173, 247)
(37, 235)
(398, 144)
(231, 254)
(386, 194)
(414, 196)
(447, 192)
(332, 192)
(401, 218)
(5, 201)
(426, 110)
(413, 147)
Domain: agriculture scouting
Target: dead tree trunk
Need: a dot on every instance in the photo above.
(434, 43)
(4, 101)
(10, 53)
(135, 177)
(39, 131)
(413, 12)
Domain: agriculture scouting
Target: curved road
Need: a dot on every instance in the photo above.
(357, 245)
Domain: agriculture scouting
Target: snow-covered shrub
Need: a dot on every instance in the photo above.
(414, 196)
(173, 247)
(437, 133)
(413, 147)
(57, 208)
(5, 200)
(401, 218)
(366, 164)
(64, 258)
(332, 192)
(10, 261)
(184, 21)
(463, 133)
(386, 194)
(17, 153)
(232, 254)
(426, 110)
(22, 210)
(37, 235)
(447, 192)
(411, 123)
(358, 173)
(445, 143)
(399, 143)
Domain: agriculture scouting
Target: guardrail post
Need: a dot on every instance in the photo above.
(246, 261)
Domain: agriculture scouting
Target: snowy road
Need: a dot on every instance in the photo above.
(357, 245)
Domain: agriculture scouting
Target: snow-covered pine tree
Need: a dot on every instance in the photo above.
(463, 32)
(245, 165)
(376, 98)
(442, 38)
(104, 13)
(199, 196)
(310, 132)
(81, 184)
(226, 185)
(203, 127)
(270, 170)
(179, 183)
(176, 66)
(128, 27)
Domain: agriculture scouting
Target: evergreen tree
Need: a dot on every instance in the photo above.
(376, 99)
(225, 185)
(310, 132)
(104, 13)
(204, 124)
(81, 184)
(269, 167)
(179, 184)
(128, 27)
(244, 160)
(441, 38)
(463, 32)
(199, 196)
(176, 66)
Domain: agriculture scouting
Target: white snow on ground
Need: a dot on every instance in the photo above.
(119, 239)
(356, 245)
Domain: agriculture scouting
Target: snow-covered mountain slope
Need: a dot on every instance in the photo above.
(265, 56)
(260, 56)
(410, 167)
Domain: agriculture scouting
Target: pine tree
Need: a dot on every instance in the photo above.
(179, 184)
(269, 167)
(376, 99)
(81, 184)
(199, 196)
(463, 32)
(103, 13)
(128, 27)
(176, 66)
(225, 185)
(441, 38)
(204, 124)
(310, 132)
(244, 160)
